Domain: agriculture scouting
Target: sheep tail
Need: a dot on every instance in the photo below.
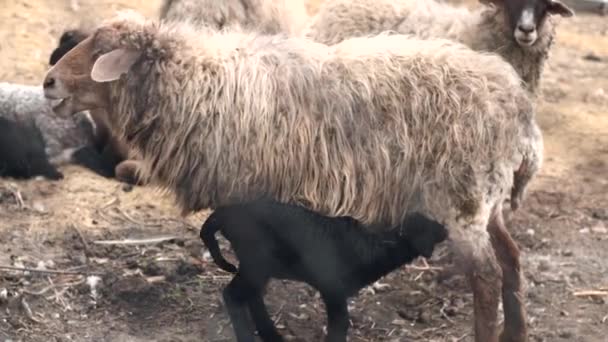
(210, 227)
(529, 166)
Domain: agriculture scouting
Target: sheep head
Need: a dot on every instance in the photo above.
(81, 79)
(526, 18)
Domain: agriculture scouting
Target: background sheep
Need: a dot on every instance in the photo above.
(371, 128)
(24, 103)
(22, 151)
(267, 16)
(333, 255)
(67, 140)
(110, 154)
(522, 32)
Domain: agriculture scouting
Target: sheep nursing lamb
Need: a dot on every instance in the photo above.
(266, 16)
(275, 240)
(372, 128)
(22, 151)
(522, 32)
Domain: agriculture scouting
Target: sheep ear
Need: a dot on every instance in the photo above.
(557, 7)
(110, 66)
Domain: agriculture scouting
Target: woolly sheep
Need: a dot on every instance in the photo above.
(336, 256)
(266, 16)
(110, 155)
(371, 128)
(521, 32)
(22, 151)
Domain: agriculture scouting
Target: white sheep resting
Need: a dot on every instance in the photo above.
(522, 32)
(267, 16)
(24, 103)
(371, 128)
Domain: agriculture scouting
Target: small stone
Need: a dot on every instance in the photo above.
(544, 266)
(599, 229)
(424, 316)
(565, 334)
(38, 207)
(567, 253)
(592, 56)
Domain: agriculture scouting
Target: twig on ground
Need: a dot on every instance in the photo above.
(135, 241)
(109, 204)
(85, 245)
(590, 293)
(28, 312)
(34, 270)
(14, 190)
(129, 218)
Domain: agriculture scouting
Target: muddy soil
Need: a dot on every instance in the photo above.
(170, 291)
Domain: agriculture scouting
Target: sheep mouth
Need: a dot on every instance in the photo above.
(61, 106)
(525, 41)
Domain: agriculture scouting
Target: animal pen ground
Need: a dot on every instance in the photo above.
(167, 292)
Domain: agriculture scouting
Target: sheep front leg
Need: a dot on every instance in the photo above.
(477, 258)
(236, 294)
(507, 252)
(337, 318)
(484, 278)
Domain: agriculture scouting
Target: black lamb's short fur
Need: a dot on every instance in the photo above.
(336, 256)
(22, 152)
(68, 40)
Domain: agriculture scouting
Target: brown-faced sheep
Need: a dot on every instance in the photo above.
(522, 32)
(110, 155)
(266, 16)
(371, 128)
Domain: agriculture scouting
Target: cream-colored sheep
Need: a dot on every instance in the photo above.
(266, 16)
(521, 32)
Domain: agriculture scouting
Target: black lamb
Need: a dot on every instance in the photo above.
(22, 152)
(335, 255)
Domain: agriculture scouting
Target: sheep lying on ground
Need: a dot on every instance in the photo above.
(110, 154)
(67, 140)
(522, 32)
(371, 128)
(266, 16)
(22, 152)
(24, 103)
(334, 255)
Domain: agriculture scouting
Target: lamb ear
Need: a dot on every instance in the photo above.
(110, 66)
(557, 7)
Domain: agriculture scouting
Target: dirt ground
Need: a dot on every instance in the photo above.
(170, 291)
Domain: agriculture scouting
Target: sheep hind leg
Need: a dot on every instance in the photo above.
(236, 295)
(507, 252)
(263, 322)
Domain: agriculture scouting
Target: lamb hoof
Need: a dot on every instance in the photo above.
(127, 172)
(507, 337)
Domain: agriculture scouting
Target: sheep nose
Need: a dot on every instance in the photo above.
(527, 29)
(48, 82)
